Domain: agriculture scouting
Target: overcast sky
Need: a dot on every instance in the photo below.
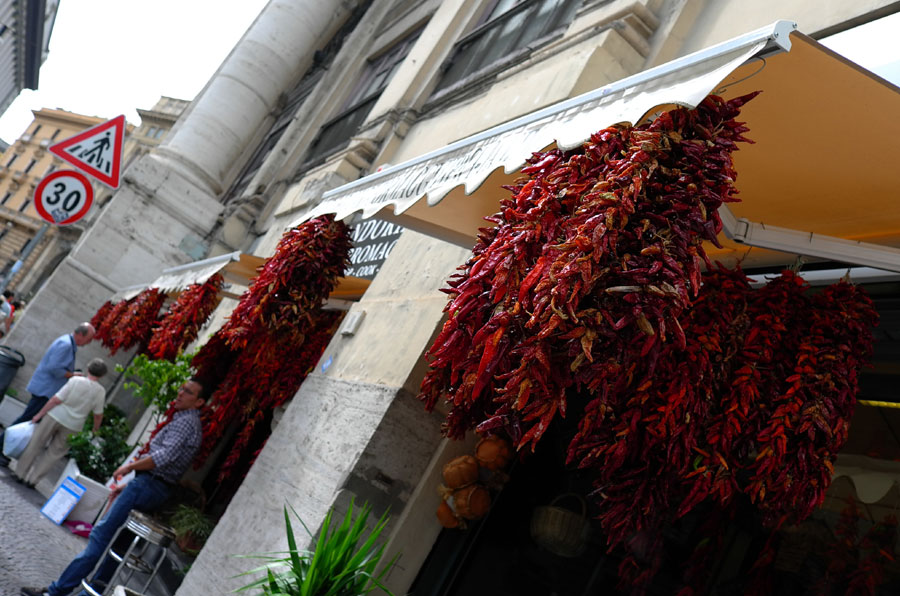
(108, 57)
(874, 45)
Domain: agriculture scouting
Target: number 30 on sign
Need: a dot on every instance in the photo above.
(63, 197)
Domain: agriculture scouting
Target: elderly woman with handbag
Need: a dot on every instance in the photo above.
(63, 415)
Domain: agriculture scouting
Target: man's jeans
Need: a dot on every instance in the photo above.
(144, 493)
(34, 406)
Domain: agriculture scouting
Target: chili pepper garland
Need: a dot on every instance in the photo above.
(106, 330)
(585, 287)
(180, 325)
(293, 283)
(275, 335)
(100, 316)
(597, 252)
(134, 326)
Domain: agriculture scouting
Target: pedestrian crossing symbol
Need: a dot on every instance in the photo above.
(96, 151)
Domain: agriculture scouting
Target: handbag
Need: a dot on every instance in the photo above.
(16, 438)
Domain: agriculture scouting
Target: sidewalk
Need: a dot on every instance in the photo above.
(34, 550)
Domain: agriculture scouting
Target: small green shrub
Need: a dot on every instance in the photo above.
(159, 380)
(192, 527)
(99, 454)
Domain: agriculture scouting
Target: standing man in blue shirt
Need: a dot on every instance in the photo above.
(55, 368)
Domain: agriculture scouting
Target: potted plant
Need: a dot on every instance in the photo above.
(342, 564)
(99, 454)
(192, 527)
(93, 457)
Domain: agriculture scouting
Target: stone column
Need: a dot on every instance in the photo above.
(168, 204)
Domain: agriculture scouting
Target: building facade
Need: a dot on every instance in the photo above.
(25, 29)
(317, 96)
(27, 161)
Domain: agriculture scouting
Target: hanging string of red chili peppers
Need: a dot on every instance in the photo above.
(106, 328)
(585, 275)
(584, 288)
(275, 335)
(100, 315)
(180, 325)
(135, 324)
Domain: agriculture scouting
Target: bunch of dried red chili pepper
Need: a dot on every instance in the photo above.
(100, 315)
(586, 274)
(275, 335)
(135, 324)
(181, 323)
(584, 289)
(106, 319)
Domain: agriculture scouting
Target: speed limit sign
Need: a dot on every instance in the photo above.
(63, 197)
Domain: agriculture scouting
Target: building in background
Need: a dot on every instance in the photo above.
(25, 28)
(27, 161)
(315, 96)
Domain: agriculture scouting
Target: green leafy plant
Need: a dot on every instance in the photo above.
(158, 380)
(342, 564)
(11, 391)
(192, 527)
(99, 454)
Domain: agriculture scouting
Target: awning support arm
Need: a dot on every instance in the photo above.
(806, 243)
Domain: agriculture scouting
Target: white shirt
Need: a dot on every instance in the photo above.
(80, 396)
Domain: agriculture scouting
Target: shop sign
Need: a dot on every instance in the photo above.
(373, 239)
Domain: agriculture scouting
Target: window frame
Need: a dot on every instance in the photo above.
(519, 52)
(363, 96)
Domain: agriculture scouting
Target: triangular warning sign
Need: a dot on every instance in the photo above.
(96, 151)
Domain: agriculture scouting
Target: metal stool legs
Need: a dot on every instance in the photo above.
(146, 532)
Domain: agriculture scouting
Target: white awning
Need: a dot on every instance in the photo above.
(819, 181)
(236, 267)
(127, 293)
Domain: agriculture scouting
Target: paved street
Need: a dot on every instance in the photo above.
(33, 550)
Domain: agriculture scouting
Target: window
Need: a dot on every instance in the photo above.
(5, 198)
(12, 159)
(30, 165)
(24, 205)
(151, 132)
(160, 132)
(378, 72)
(506, 30)
(36, 129)
(54, 135)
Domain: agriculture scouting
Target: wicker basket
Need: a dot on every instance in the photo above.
(561, 531)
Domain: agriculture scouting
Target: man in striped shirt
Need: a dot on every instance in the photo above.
(171, 452)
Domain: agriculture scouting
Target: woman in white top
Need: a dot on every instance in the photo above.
(63, 415)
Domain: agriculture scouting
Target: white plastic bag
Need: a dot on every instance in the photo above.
(16, 437)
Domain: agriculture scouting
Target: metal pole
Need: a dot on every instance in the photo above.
(23, 256)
